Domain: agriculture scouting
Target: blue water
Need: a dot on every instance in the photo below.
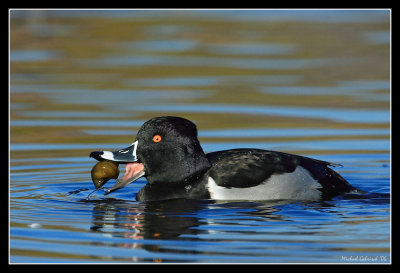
(309, 82)
(57, 219)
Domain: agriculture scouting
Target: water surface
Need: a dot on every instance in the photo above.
(310, 82)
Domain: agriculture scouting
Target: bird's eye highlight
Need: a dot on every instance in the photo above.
(157, 138)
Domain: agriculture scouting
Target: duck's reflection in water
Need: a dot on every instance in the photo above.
(158, 226)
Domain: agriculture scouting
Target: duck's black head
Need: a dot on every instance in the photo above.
(170, 151)
(166, 151)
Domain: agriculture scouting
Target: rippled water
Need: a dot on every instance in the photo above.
(308, 82)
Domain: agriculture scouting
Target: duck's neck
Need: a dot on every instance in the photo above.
(194, 186)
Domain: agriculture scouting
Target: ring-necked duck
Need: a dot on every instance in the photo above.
(168, 153)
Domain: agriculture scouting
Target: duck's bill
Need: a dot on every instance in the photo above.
(125, 155)
(133, 171)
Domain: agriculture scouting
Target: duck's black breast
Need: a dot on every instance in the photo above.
(193, 188)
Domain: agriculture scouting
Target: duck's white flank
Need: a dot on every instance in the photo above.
(297, 185)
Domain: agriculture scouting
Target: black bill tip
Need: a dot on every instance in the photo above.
(97, 155)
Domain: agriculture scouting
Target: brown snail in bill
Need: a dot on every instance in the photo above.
(102, 172)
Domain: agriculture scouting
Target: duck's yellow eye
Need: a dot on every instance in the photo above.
(157, 138)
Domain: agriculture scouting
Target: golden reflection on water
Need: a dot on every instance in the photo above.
(105, 68)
